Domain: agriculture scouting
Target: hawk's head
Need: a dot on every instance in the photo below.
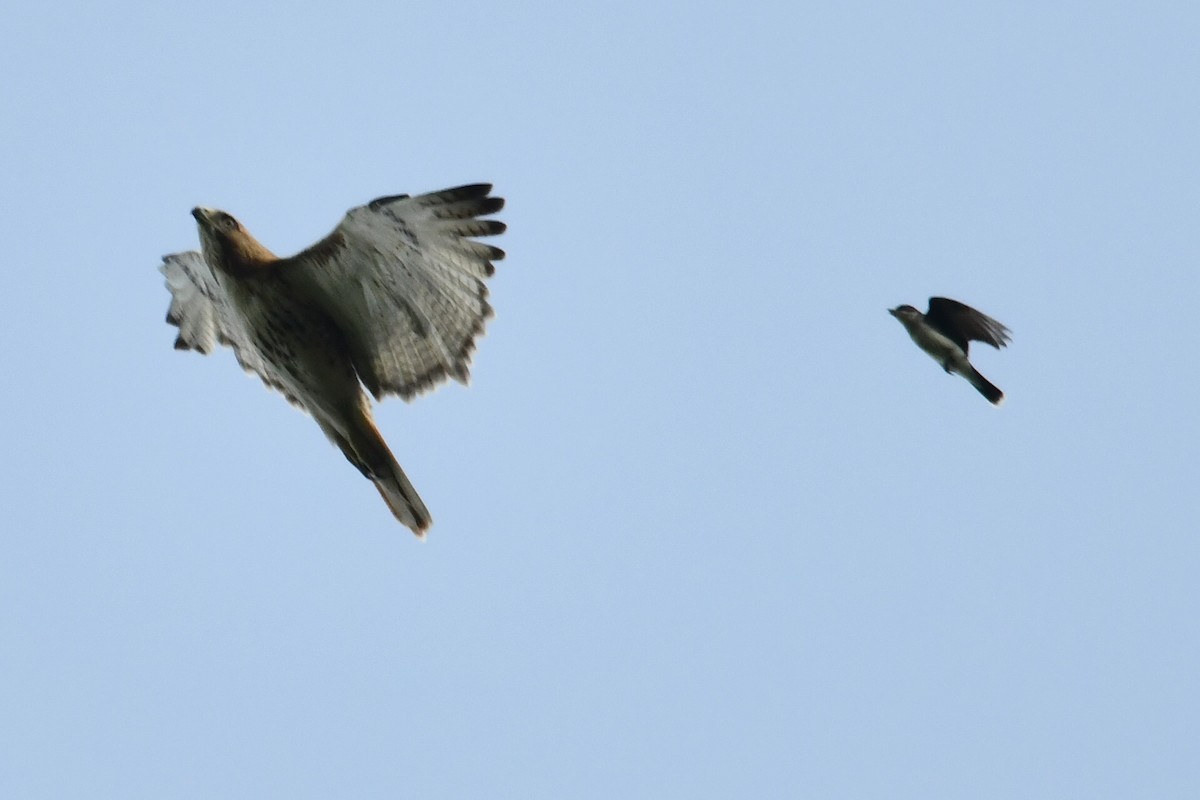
(228, 246)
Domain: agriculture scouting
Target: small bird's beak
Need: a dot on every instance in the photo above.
(891, 311)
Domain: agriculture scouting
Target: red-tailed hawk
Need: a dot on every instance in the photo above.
(393, 300)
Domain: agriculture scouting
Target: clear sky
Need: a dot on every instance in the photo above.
(707, 523)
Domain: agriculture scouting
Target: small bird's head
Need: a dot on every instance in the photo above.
(226, 244)
(905, 313)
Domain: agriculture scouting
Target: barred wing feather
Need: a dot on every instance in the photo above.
(206, 316)
(406, 285)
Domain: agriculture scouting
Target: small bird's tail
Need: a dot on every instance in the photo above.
(985, 387)
(369, 452)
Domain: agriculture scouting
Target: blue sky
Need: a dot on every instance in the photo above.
(707, 524)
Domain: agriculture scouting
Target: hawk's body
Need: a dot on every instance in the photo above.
(393, 299)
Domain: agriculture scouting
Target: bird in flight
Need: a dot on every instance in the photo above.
(392, 300)
(946, 330)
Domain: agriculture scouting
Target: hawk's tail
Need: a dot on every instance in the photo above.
(985, 387)
(369, 452)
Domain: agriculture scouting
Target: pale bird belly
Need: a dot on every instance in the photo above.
(305, 348)
(943, 350)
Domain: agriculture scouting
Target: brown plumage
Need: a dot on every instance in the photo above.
(393, 299)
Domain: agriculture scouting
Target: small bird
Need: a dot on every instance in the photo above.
(946, 330)
(392, 300)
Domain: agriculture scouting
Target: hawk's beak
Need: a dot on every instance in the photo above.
(201, 215)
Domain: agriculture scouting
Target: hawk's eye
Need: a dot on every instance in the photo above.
(228, 222)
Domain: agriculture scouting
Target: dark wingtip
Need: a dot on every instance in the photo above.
(469, 190)
(380, 202)
(490, 205)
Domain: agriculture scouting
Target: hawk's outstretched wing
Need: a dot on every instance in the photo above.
(205, 316)
(405, 285)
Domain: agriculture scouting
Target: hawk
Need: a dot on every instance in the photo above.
(392, 300)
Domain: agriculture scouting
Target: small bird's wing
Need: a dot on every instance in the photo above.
(206, 316)
(963, 324)
(405, 285)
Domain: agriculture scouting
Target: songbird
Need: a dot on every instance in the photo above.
(945, 332)
(393, 299)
